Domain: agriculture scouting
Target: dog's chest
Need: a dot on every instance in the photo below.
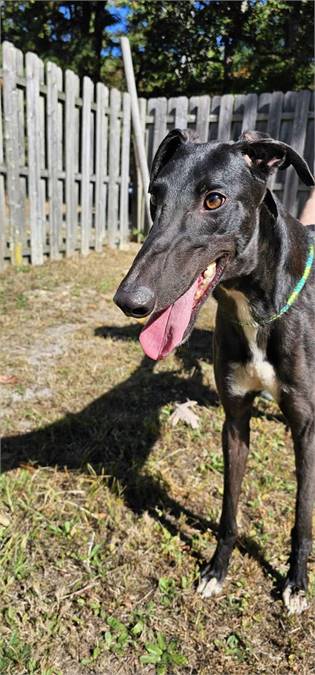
(257, 373)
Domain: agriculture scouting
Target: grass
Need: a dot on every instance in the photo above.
(108, 511)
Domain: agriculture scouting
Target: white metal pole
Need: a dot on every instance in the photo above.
(135, 114)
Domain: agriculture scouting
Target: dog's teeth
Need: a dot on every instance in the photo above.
(142, 320)
(209, 272)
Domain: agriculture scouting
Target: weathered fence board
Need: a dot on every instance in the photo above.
(54, 83)
(274, 115)
(65, 154)
(225, 117)
(250, 111)
(100, 164)
(302, 104)
(114, 150)
(214, 118)
(86, 214)
(179, 106)
(274, 121)
(20, 111)
(72, 85)
(34, 157)
(11, 137)
(124, 183)
(3, 219)
(138, 209)
(159, 106)
(201, 104)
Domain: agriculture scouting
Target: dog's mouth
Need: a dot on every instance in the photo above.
(167, 329)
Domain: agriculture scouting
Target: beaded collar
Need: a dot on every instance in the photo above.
(292, 297)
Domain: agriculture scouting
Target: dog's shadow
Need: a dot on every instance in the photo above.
(116, 432)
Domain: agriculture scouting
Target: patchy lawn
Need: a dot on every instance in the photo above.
(108, 510)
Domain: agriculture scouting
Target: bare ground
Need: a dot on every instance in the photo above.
(108, 511)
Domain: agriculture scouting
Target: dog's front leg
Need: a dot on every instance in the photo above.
(296, 581)
(235, 439)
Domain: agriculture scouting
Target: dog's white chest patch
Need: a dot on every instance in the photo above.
(258, 373)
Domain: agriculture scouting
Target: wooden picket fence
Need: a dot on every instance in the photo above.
(67, 169)
(64, 174)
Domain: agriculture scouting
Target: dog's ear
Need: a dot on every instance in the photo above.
(168, 147)
(252, 136)
(270, 203)
(264, 155)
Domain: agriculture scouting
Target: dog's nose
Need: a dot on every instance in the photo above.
(138, 303)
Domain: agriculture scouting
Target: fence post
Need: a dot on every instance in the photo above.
(11, 136)
(136, 121)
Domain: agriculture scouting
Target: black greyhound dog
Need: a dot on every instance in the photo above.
(218, 227)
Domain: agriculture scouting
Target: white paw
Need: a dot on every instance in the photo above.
(208, 588)
(295, 602)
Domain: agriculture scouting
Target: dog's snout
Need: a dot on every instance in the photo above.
(137, 302)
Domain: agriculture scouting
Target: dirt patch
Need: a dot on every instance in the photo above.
(109, 511)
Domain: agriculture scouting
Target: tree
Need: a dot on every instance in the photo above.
(182, 46)
(73, 34)
(218, 47)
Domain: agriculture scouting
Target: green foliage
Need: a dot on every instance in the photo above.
(14, 651)
(220, 47)
(233, 646)
(214, 463)
(187, 46)
(21, 301)
(118, 637)
(167, 588)
(115, 639)
(73, 34)
(163, 655)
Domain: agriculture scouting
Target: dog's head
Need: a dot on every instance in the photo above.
(205, 204)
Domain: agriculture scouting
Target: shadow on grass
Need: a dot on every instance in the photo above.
(116, 432)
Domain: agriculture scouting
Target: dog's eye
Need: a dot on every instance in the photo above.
(213, 201)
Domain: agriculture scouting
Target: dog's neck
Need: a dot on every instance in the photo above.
(279, 250)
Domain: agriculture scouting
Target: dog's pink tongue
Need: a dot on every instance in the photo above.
(162, 334)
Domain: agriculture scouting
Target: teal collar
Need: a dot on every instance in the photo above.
(292, 297)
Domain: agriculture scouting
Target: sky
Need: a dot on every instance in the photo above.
(121, 13)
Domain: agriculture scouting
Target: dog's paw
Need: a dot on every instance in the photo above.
(208, 587)
(295, 601)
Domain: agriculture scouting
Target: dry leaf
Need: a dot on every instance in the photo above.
(8, 379)
(184, 413)
(4, 520)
